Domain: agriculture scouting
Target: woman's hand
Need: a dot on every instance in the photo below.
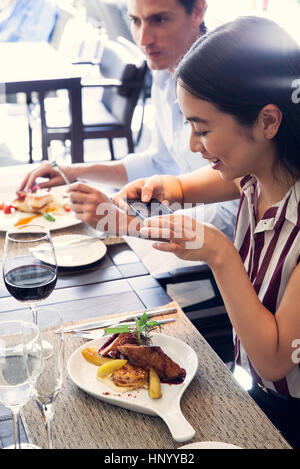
(164, 188)
(188, 239)
(45, 170)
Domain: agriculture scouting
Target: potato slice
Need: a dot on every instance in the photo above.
(110, 367)
(92, 356)
(154, 389)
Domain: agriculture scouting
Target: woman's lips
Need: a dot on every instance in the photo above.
(215, 164)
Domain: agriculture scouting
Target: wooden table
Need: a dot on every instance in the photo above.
(216, 406)
(37, 67)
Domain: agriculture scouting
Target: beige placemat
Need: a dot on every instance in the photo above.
(214, 404)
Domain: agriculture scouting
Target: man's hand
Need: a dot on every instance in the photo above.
(45, 170)
(95, 208)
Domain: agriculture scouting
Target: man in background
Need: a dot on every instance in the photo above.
(164, 31)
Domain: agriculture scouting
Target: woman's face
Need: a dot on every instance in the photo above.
(229, 147)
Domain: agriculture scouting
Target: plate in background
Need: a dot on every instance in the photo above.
(75, 255)
(63, 220)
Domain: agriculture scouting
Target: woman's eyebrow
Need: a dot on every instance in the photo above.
(197, 120)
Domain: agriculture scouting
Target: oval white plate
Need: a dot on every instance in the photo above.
(61, 221)
(83, 374)
(209, 445)
(75, 255)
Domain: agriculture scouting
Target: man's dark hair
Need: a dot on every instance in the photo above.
(188, 5)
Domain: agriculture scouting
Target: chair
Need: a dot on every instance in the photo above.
(121, 82)
(112, 15)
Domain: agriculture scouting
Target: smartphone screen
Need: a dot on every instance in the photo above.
(153, 208)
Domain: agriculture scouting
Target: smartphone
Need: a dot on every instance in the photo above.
(153, 208)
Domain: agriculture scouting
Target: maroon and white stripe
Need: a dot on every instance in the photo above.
(270, 251)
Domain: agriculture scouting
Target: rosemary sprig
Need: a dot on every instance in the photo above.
(142, 329)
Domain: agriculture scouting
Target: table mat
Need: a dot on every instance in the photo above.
(214, 404)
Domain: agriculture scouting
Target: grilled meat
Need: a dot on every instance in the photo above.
(153, 357)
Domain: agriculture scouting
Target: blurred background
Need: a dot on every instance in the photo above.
(76, 29)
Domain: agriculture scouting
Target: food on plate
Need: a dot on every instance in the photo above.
(92, 356)
(24, 221)
(134, 361)
(39, 202)
(123, 378)
(110, 367)
(130, 376)
(110, 348)
(35, 203)
(148, 357)
(154, 385)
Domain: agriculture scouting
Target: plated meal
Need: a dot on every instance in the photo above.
(128, 361)
(139, 370)
(47, 208)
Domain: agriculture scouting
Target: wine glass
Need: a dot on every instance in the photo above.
(30, 267)
(21, 361)
(48, 384)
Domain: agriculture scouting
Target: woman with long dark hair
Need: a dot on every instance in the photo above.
(238, 87)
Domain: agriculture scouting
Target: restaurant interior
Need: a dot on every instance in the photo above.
(71, 115)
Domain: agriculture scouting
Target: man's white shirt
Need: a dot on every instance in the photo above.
(170, 152)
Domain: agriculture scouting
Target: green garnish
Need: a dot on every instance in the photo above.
(48, 217)
(142, 329)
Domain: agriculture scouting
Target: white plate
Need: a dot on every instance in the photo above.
(83, 374)
(209, 445)
(75, 255)
(61, 221)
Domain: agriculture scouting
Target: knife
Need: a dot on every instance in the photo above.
(98, 334)
(110, 322)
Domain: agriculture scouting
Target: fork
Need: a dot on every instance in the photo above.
(100, 333)
(55, 166)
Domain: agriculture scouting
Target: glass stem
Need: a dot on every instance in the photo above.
(19, 429)
(15, 419)
(34, 313)
(49, 430)
(47, 413)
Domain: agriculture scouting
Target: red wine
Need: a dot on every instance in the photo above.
(30, 282)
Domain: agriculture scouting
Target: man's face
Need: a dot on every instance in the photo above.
(163, 30)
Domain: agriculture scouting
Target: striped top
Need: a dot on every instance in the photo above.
(270, 251)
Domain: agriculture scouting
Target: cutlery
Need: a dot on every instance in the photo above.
(112, 322)
(98, 334)
(55, 166)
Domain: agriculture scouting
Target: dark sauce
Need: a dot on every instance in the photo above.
(108, 342)
(177, 380)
